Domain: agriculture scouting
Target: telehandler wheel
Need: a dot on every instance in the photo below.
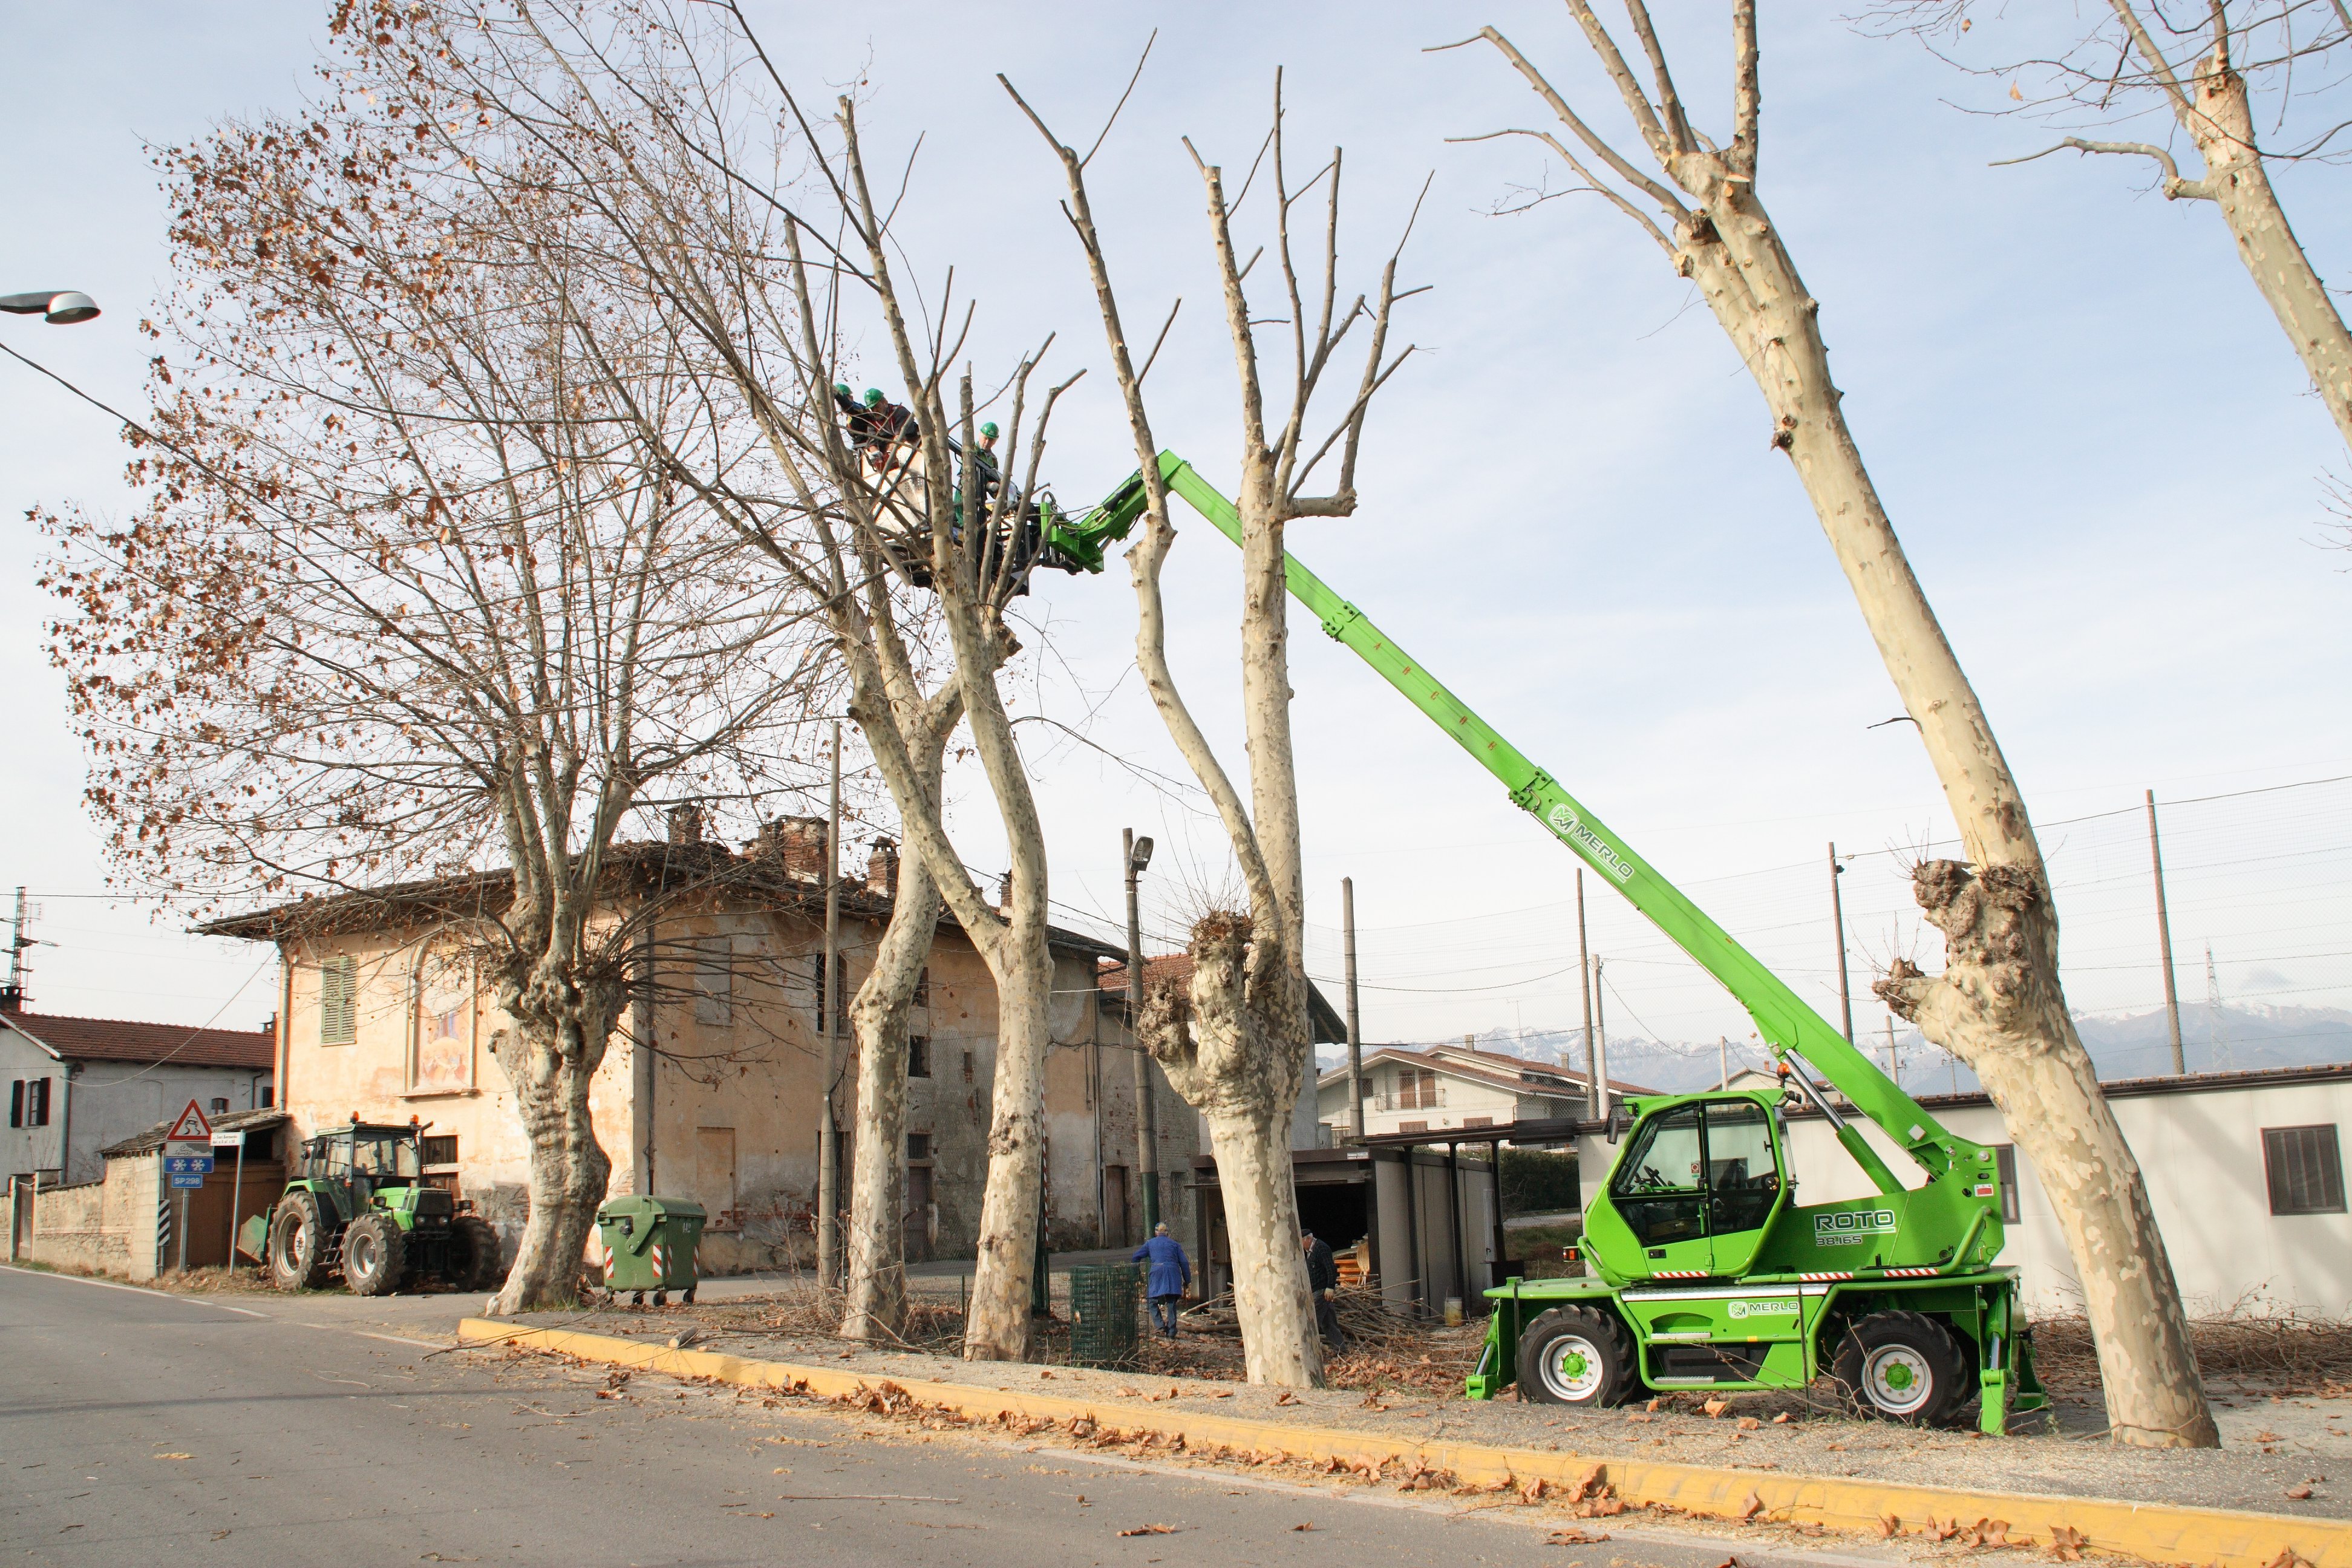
(374, 1254)
(473, 1254)
(1576, 1355)
(295, 1244)
(1903, 1366)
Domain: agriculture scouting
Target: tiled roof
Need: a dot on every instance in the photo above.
(121, 1040)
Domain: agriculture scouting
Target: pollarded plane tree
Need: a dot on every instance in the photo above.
(1233, 1038)
(2219, 72)
(757, 232)
(1999, 1005)
(416, 600)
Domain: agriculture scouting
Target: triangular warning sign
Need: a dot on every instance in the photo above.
(191, 1128)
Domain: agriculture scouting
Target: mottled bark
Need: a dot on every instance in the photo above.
(551, 1061)
(1229, 1044)
(877, 1284)
(2000, 1006)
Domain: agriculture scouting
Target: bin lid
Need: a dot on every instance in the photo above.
(645, 1205)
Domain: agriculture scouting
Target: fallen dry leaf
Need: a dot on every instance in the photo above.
(2298, 1493)
(1574, 1538)
(1889, 1526)
(1653, 1404)
(1047, 1372)
(2265, 1436)
(173, 1455)
(1533, 1491)
(1782, 1419)
(1223, 1394)
(1716, 1407)
(1151, 1529)
(1635, 1415)
(1309, 1525)
(1749, 1506)
(2067, 1542)
(1285, 1397)
(1126, 1392)
(1837, 1447)
(1750, 1424)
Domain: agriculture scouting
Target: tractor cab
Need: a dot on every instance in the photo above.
(360, 1160)
(1695, 1191)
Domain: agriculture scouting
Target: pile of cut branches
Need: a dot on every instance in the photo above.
(2280, 1350)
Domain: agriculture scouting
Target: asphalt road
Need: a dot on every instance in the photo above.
(138, 1428)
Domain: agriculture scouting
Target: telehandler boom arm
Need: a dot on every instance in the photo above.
(1790, 1026)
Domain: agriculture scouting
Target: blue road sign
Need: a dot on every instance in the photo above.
(188, 1165)
(193, 1180)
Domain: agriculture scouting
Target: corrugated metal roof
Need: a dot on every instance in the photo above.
(147, 1142)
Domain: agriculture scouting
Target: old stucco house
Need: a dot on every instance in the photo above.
(711, 1091)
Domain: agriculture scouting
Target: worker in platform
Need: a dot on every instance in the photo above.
(1323, 1284)
(1171, 1273)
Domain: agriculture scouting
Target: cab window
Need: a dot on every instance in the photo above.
(1743, 1179)
(1660, 1187)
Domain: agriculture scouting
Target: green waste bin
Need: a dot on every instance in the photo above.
(1103, 1301)
(649, 1245)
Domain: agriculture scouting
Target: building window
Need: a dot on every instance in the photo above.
(1412, 1089)
(439, 1150)
(1412, 1126)
(2306, 1169)
(220, 1106)
(923, 989)
(714, 982)
(919, 1145)
(918, 1057)
(1477, 1121)
(28, 1102)
(967, 1067)
(339, 1000)
(2005, 1157)
(269, 1098)
(16, 1103)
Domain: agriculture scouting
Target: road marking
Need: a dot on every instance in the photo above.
(141, 1289)
(397, 1340)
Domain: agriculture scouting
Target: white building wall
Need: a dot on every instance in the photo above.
(94, 1104)
(2200, 1153)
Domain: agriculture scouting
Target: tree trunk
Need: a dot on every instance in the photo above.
(2222, 126)
(997, 1325)
(1229, 1042)
(877, 1263)
(2007, 1019)
(552, 1065)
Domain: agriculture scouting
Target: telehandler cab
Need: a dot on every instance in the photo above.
(358, 1203)
(1709, 1274)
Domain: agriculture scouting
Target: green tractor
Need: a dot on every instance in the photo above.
(358, 1203)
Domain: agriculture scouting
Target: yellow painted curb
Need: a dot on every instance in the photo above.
(2152, 1531)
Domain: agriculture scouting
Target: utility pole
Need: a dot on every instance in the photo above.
(828, 1131)
(1600, 1038)
(1723, 1060)
(13, 998)
(2218, 1037)
(1355, 1033)
(2163, 942)
(1894, 1062)
(1584, 977)
(1837, 913)
(1135, 855)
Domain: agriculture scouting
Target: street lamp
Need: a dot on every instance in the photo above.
(1146, 1118)
(58, 307)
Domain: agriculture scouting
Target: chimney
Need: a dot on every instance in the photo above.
(686, 824)
(798, 843)
(882, 870)
(1004, 894)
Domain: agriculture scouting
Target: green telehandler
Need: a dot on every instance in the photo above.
(358, 1205)
(1707, 1272)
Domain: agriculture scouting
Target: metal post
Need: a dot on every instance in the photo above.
(828, 1132)
(1837, 913)
(1894, 1062)
(236, 1195)
(1593, 1088)
(184, 1227)
(1600, 1039)
(1147, 1111)
(1355, 1033)
(1501, 1238)
(1723, 1061)
(1453, 1226)
(2163, 942)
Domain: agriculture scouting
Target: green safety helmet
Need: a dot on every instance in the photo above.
(841, 389)
(873, 396)
(989, 429)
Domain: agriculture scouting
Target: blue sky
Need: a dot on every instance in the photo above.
(2101, 455)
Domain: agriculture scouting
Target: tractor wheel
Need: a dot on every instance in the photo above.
(1902, 1366)
(374, 1254)
(296, 1243)
(473, 1254)
(1576, 1355)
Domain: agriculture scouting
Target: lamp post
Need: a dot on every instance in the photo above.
(1137, 856)
(58, 307)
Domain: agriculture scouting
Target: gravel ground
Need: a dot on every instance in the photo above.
(2276, 1438)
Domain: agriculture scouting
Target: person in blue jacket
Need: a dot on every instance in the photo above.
(1171, 1273)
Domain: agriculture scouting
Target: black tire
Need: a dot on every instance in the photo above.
(473, 1254)
(298, 1244)
(661, 1297)
(375, 1254)
(1903, 1366)
(1579, 1356)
